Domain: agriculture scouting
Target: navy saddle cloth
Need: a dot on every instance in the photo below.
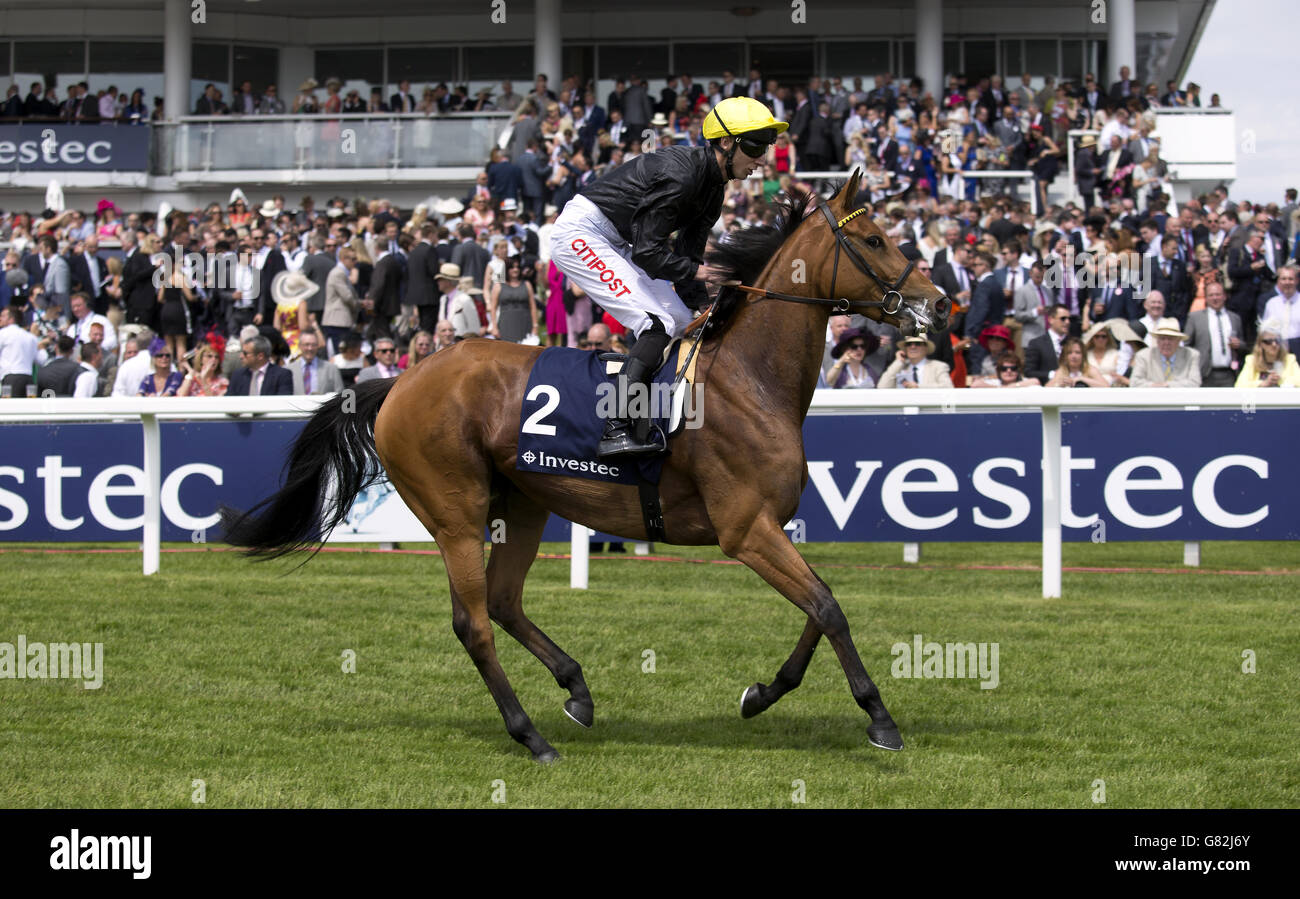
(561, 421)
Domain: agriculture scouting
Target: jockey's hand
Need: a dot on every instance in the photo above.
(710, 274)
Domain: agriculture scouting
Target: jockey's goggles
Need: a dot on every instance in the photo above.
(753, 144)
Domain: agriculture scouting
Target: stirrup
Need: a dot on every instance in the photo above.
(620, 441)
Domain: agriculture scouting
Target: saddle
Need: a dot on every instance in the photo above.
(684, 376)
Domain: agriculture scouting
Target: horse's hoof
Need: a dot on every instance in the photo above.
(547, 757)
(751, 701)
(885, 737)
(580, 712)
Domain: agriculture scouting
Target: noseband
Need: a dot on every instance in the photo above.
(891, 300)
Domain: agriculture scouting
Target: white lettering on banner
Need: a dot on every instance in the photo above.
(11, 502)
(101, 488)
(1015, 501)
(73, 152)
(839, 506)
(1208, 505)
(1069, 464)
(1120, 481)
(896, 485)
(53, 473)
(171, 498)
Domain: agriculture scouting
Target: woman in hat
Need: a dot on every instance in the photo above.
(850, 370)
(204, 377)
(305, 103)
(290, 291)
(996, 340)
(1009, 373)
(912, 368)
(163, 380)
(1075, 370)
(1271, 365)
(1102, 351)
(480, 216)
(106, 224)
(238, 215)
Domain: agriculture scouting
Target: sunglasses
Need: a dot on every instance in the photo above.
(1269, 342)
(1007, 368)
(754, 149)
(162, 355)
(386, 350)
(857, 346)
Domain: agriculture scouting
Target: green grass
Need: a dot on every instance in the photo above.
(226, 671)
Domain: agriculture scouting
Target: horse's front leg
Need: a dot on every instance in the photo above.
(764, 547)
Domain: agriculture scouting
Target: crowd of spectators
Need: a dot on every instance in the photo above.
(80, 105)
(271, 298)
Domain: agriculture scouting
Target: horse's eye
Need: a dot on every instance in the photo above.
(875, 242)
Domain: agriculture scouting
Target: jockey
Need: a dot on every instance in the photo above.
(615, 240)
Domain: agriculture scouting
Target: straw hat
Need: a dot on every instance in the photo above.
(268, 210)
(466, 285)
(916, 338)
(448, 207)
(308, 85)
(1168, 327)
(449, 271)
(332, 82)
(1088, 140)
(290, 288)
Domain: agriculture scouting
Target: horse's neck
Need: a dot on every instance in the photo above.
(778, 344)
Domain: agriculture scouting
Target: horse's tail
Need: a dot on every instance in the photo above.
(332, 461)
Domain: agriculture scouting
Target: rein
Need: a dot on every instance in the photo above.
(891, 301)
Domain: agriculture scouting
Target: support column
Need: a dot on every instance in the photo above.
(547, 59)
(929, 46)
(176, 58)
(1122, 49)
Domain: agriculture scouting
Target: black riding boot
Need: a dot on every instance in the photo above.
(631, 436)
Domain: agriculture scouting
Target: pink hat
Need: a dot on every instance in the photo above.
(104, 204)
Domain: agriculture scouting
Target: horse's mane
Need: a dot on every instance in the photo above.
(742, 254)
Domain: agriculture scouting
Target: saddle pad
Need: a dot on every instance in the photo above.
(560, 425)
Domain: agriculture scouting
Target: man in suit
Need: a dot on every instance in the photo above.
(469, 257)
(1087, 169)
(422, 273)
(1169, 276)
(59, 375)
(208, 103)
(1125, 87)
(1116, 175)
(403, 100)
(1010, 278)
(914, 366)
(820, 144)
(57, 277)
(638, 110)
(1167, 364)
(987, 306)
(801, 118)
(384, 298)
(83, 317)
(317, 268)
(88, 274)
(1249, 272)
(139, 296)
(271, 263)
(534, 170)
(259, 377)
(385, 362)
(1215, 333)
(1113, 296)
(1154, 305)
(34, 104)
(1030, 304)
(1043, 354)
(313, 375)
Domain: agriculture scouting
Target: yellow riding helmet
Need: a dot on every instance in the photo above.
(738, 115)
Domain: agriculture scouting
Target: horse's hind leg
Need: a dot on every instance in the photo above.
(760, 697)
(523, 521)
(764, 547)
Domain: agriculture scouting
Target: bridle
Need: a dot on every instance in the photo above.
(891, 300)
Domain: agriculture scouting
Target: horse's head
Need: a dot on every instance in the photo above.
(871, 268)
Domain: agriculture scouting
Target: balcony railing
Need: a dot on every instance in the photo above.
(201, 144)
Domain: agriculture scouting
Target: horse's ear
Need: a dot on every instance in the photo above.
(850, 191)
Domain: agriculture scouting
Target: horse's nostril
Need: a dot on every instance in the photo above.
(942, 306)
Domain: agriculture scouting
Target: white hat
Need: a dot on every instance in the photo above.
(1168, 327)
(509, 205)
(268, 210)
(448, 206)
(290, 288)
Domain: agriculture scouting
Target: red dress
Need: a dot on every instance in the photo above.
(782, 157)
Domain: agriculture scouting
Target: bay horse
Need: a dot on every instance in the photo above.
(446, 434)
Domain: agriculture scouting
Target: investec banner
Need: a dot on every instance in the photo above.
(932, 477)
(39, 147)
